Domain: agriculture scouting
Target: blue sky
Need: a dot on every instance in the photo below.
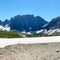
(47, 9)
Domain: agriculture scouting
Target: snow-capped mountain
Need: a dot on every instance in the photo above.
(30, 24)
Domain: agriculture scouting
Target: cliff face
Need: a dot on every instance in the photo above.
(46, 51)
(54, 23)
(24, 23)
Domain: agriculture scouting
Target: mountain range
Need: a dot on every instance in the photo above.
(30, 23)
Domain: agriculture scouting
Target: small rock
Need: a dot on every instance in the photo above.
(57, 50)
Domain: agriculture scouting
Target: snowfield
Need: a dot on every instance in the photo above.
(5, 41)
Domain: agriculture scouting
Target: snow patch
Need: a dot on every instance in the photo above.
(45, 25)
(3, 28)
(12, 41)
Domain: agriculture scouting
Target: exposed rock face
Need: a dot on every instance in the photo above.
(25, 23)
(53, 24)
(45, 51)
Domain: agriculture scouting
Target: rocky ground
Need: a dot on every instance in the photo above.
(41, 51)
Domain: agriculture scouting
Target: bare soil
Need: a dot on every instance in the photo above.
(40, 51)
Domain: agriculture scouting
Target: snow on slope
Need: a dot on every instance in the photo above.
(45, 25)
(6, 41)
(50, 32)
(3, 28)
